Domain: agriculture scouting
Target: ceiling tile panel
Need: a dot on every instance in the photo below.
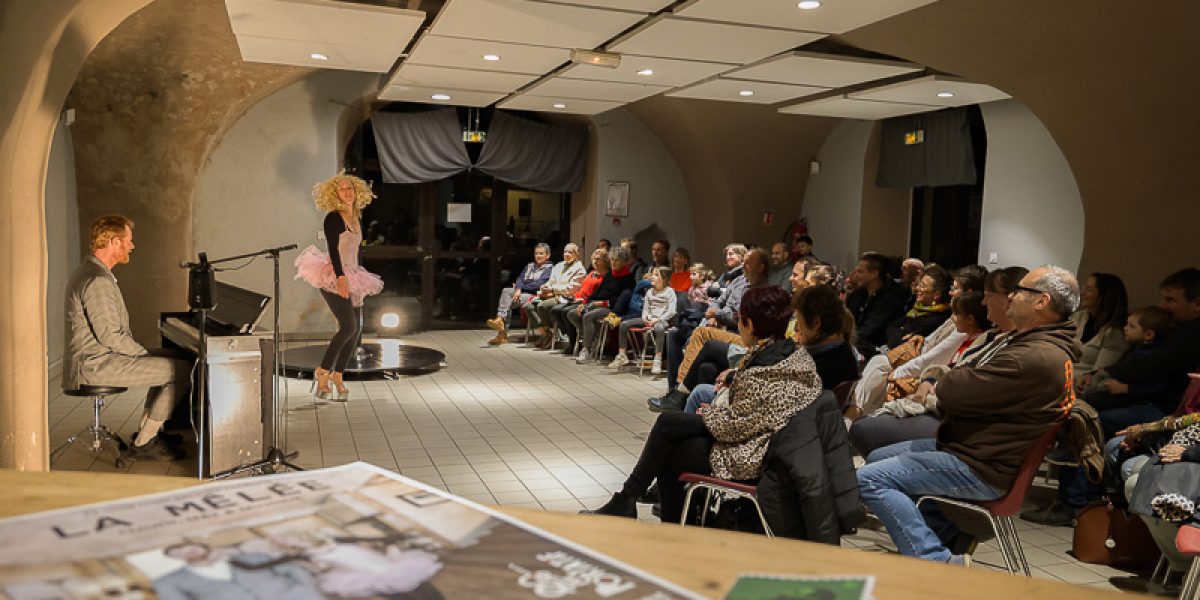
(824, 70)
(362, 37)
(468, 54)
(594, 90)
(733, 90)
(833, 16)
(558, 105)
(644, 6)
(849, 108)
(716, 42)
(533, 23)
(937, 90)
(661, 71)
(425, 95)
(460, 79)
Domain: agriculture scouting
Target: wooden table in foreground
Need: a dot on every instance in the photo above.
(704, 560)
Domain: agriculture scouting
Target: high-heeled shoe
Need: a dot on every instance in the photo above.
(320, 385)
(343, 392)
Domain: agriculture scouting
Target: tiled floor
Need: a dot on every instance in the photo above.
(508, 426)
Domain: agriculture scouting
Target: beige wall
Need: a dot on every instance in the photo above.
(1114, 84)
(884, 225)
(152, 100)
(42, 45)
(737, 160)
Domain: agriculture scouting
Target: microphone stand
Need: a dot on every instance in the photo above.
(274, 456)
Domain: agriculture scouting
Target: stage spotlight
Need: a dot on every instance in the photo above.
(389, 320)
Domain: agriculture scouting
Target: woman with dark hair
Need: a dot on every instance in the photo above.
(729, 437)
(821, 320)
(1103, 306)
(931, 309)
(681, 270)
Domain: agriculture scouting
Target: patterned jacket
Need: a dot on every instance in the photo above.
(97, 324)
(759, 403)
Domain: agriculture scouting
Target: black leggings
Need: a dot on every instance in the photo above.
(341, 346)
(677, 443)
(710, 361)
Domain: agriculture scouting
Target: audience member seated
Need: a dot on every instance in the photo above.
(802, 249)
(637, 266)
(523, 290)
(913, 415)
(660, 254)
(604, 244)
(729, 439)
(735, 254)
(1119, 406)
(658, 308)
(681, 274)
(714, 336)
(781, 268)
(930, 310)
(1100, 319)
(564, 281)
(701, 278)
(931, 349)
(1134, 447)
(586, 317)
(911, 270)
(992, 410)
(587, 287)
(876, 302)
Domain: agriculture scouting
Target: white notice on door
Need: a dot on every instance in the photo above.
(459, 212)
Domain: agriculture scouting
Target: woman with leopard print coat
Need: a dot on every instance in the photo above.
(729, 438)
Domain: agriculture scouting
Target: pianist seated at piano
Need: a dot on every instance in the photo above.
(100, 350)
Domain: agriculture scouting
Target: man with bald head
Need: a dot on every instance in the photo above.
(993, 409)
(781, 268)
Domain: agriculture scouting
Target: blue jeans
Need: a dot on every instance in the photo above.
(703, 394)
(896, 475)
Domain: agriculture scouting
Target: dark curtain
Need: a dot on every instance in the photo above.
(415, 147)
(427, 146)
(946, 157)
(535, 156)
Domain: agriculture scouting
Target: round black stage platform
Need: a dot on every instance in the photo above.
(377, 359)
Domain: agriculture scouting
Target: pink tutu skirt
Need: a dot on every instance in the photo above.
(314, 267)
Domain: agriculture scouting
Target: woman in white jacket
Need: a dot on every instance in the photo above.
(657, 311)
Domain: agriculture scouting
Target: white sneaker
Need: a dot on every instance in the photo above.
(583, 357)
(656, 367)
(618, 362)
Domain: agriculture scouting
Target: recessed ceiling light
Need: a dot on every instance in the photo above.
(318, 56)
(442, 97)
(945, 95)
(646, 72)
(491, 57)
(746, 93)
(560, 105)
(809, 4)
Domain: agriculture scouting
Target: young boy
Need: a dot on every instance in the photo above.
(1126, 403)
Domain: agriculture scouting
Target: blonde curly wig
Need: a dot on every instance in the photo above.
(326, 198)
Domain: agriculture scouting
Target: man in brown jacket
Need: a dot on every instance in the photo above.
(993, 409)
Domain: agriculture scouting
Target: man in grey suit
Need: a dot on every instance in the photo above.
(100, 350)
(240, 576)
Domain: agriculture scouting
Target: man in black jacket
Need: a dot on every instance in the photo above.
(875, 304)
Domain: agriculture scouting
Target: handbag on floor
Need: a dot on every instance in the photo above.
(1110, 535)
(910, 349)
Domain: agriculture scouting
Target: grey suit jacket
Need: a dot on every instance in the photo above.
(97, 322)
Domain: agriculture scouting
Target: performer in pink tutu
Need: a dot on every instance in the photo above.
(343, 283)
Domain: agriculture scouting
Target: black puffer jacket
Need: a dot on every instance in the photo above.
(808, 488)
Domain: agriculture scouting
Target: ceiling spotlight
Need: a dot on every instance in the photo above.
(442, 97)
(809, 4)
(746, 93)
(318, 56)
(491, 57)
(560, 105)
(945, 95)
(646, 72)
(600, 59)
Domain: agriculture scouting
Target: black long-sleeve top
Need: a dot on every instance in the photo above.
(334, 226)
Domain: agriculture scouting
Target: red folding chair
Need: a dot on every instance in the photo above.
(724, 486)
(1187, 541)
(1000, 512)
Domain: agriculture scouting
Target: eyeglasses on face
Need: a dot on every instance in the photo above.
(1021, 288)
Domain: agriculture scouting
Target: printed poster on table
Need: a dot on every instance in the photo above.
(355, 531)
